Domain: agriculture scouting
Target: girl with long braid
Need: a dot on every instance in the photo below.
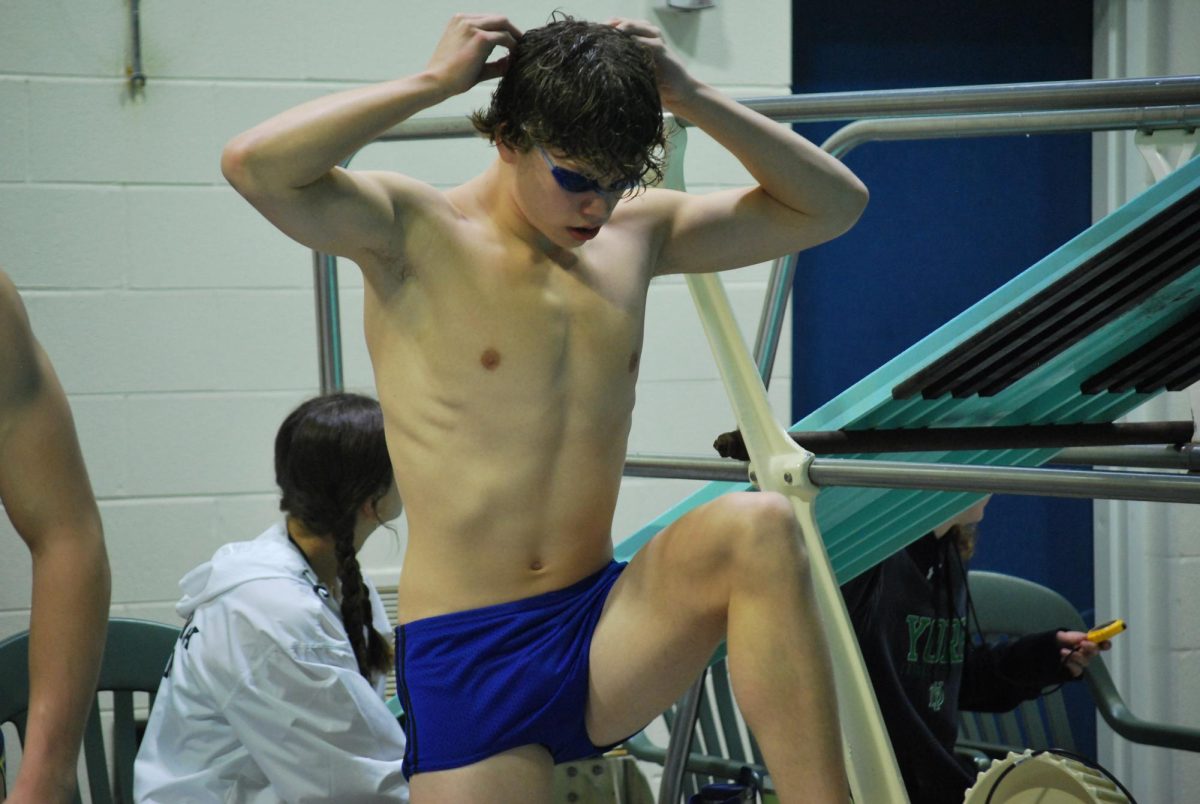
(275, 690)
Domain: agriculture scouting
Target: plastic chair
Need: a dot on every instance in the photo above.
(721, 746)
(135, 653)
(1009, 606)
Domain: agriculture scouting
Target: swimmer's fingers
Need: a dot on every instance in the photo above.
(460, 59)
(674, 82)
(636, 27)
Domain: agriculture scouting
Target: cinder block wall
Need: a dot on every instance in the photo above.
(182, 324)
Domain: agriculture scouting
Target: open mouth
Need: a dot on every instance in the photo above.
(583, 233)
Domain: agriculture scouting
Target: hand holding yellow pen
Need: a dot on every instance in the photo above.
(1108, 630)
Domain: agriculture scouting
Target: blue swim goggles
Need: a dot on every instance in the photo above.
(574, 182)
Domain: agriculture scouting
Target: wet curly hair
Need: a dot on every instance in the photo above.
(586, 90)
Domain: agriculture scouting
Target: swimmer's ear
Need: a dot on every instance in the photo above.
(505, 143)
(507, 152)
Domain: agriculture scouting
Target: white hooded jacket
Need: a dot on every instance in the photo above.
(262, 700)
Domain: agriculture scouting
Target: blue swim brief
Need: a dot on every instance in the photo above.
(476, 683)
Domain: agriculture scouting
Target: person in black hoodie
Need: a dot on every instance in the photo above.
(910, 615)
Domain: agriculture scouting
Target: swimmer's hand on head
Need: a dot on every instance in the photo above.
(675, 84)
(460, 60)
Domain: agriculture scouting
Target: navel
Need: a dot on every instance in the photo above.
(633, 361)
(536, 565)
(490, 359)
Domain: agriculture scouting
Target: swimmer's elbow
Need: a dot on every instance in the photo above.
(250, 166)
(862, 194)
(853, 203)
(237, 164)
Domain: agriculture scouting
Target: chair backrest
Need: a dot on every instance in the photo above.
(135, 654)
(1008, 605)
(1011, 607)
(721, 744)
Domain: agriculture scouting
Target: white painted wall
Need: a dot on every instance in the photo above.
(182, 323)
(1148, 555)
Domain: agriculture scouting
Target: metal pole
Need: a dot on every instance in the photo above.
(1186, 457)
(1087, 94)
(678, 468)
(770, 321)
(1007, 480)
(1110, 485)
(1028, 97)
(851, 136)
(680, 744)
(993, 98)
(329, 328)
(137, 78)
(978, 124)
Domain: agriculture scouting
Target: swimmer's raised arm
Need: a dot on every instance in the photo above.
(803, 197)
(287, 166)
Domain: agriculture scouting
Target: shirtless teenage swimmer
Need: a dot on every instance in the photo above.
(504, 320)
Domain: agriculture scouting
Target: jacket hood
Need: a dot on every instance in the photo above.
(270, 555)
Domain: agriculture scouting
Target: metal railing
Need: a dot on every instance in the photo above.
(1097, 484)
(1165, 102)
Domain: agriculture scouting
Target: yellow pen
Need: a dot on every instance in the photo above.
(1106, 631)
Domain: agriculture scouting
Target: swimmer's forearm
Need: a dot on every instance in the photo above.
(70, 608)
(48, 498)
(789, 168)
(300, 146)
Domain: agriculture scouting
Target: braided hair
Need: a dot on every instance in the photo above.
(330, 458)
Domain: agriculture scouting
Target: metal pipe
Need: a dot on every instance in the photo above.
(1085, 94)
(1007, 480)
(678, 468)
(1091, 94)
(770, 321)
(1036, 482)
(670, 790)
(329, 317)
(329, 327)
(137, 78)
(911, 127)
(1120, 93)
(1186, 457)
(848, 137)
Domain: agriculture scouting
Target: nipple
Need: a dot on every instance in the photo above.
(633, 362)
(490, 359)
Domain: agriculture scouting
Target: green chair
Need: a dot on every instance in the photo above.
(135, 653)
(1009, 607)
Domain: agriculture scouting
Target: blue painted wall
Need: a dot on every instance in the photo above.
(949, 221)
